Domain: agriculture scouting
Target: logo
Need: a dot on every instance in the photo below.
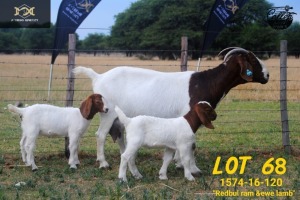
(25, 14)
(224, 9)
(231, 5)
(279, 17)
(84, 4)
(24, 11)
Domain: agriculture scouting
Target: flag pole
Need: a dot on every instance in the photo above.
(50, 81)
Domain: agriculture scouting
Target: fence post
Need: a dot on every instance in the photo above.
(70, 84)
(184, 53)
(283, 97)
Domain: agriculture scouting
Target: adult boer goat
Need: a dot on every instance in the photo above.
(167, 95)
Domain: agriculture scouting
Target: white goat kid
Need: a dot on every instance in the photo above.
(51, 120)
(173, 134)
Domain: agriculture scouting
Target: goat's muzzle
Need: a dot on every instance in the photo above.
(264, 81)
(265, 76)
(104, 109)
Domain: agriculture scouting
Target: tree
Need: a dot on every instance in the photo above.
(9, 42)
(262, 39)
(292, 35)
(159, 25)
(95, 42)
(249, 29)
(37, 39)
(179, 19)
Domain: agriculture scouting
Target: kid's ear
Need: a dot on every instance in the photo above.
(206, 114)
(86, 106)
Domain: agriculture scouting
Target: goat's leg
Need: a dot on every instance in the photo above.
(105, 124)
(168, 154)
(194, 169)
(29, 148)
(185, 152)
(177, 160)
(128, 157)
(132, 167)
(123, 167)
(76, 159)
(73, 159)
(22, 147)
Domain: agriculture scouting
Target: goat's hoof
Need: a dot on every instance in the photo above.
(73, 167)
(104, 165)
(107, 167)
(122, 180)
(163, 177)
(34, 169)
(190, 178)
(197, 174)
(138, 176)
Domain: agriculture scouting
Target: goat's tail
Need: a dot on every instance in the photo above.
(89, 72)
(15, 109)
(122, 117)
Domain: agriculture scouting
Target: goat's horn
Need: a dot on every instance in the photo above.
(231, 50)
(225, 51)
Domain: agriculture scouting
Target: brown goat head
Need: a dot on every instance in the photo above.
(92, 105)
(252, 69)
(205, 113)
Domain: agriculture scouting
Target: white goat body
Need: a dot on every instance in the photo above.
(139, 86)
(47, 122)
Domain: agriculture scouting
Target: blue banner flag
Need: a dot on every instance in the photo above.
(220, 14)
(70, 15)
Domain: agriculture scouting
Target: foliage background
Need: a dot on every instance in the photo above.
(158, 25)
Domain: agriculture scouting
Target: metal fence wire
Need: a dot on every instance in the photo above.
(250, 111)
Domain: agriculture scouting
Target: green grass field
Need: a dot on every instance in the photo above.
(248, 124)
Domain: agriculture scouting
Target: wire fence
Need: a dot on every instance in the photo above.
(250, 112)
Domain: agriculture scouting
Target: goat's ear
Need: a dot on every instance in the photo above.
(206, 114)
(246, 68)
(86, 106)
